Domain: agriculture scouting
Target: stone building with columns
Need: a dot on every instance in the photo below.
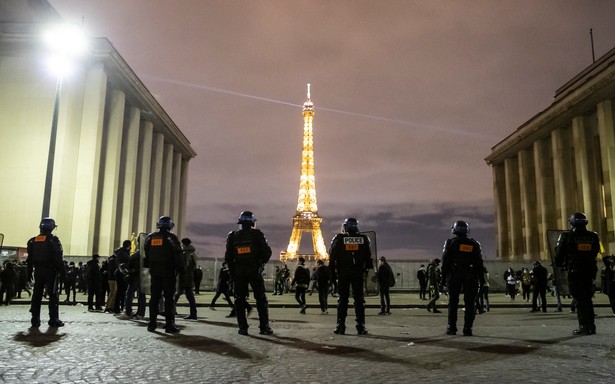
(119, 162)
(560, 161)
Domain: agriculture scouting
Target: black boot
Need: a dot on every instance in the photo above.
(340, 329)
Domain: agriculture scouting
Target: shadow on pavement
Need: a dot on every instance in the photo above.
(328, 349)
(206, 344)
(36, 338)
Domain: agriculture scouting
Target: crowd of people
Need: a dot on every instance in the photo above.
(113, 284)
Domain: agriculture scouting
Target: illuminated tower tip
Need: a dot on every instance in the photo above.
(308, 91)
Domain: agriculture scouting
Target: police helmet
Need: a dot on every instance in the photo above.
(351, 225)
(165, 222)
(47, 224)
(247, 217)
(577, 219)
(460, 228)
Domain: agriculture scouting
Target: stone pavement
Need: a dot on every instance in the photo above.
(510, 345)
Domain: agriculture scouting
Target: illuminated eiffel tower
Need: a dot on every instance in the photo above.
(306, 219)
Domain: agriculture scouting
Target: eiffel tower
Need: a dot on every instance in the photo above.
(306, 219)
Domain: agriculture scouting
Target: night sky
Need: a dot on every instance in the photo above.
(410, 96)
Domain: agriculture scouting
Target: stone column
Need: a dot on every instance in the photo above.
(543, 166)
(501, 211)
(88, 164)
(565, 188)
(527, 184)
(167, 177)
(606, 130)
(110, 190)
(130, 152)
(513, 200)
(175, 185)
(144, 162)
(155, 186)
(589, 192)
(183, 196)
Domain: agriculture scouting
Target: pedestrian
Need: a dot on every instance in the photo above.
(70, 282)
(576, 253)
(45, 263)
(555, 292)
(111, 280)
(198, 277)
(94, 281)
(386, 280)
(323, 275)
(301, 281)
(462, 270)
(247, 252)
(223, 287)
(133, 271)
(540, 279)
(313, 281)
(526, 284)
(350, 259)
(23, 283)
(185, 279)
(8, 278)
(163, 258)
(609, 280)
(511, 283)
(286, 278)
(122, 254)
(433, 280)
(483, 294)
(278, 288)
(81, 278)
(421, 276)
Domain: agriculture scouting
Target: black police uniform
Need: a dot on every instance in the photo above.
(163, 258)
(246, 253)
(462, 269)
(45, 257)
(349, 260)
(576, 252)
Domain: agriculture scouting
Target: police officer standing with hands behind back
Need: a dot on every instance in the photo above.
(462, 269)
(247, 252)
(349, 260)
(576, 253)
(45, 257)
(163, 258)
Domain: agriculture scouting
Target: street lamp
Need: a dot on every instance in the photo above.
(66, 43)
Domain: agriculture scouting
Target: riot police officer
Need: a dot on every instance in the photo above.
(462, 269)
(45, 258)
(350, 258)
(163, 258)
(247, 252)
(576, 252)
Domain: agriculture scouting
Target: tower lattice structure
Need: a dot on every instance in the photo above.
(306, 219)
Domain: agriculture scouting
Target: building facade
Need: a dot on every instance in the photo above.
(559, 162)
(119, 161)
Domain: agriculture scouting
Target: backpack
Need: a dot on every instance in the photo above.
(391, 278)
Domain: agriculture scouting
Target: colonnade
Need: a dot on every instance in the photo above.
(570, 168)
(132, 171)
(120, 161)
(561, 161)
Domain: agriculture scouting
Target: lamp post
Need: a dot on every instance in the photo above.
(66, 43)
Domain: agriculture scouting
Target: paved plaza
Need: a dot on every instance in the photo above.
(510, 345)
